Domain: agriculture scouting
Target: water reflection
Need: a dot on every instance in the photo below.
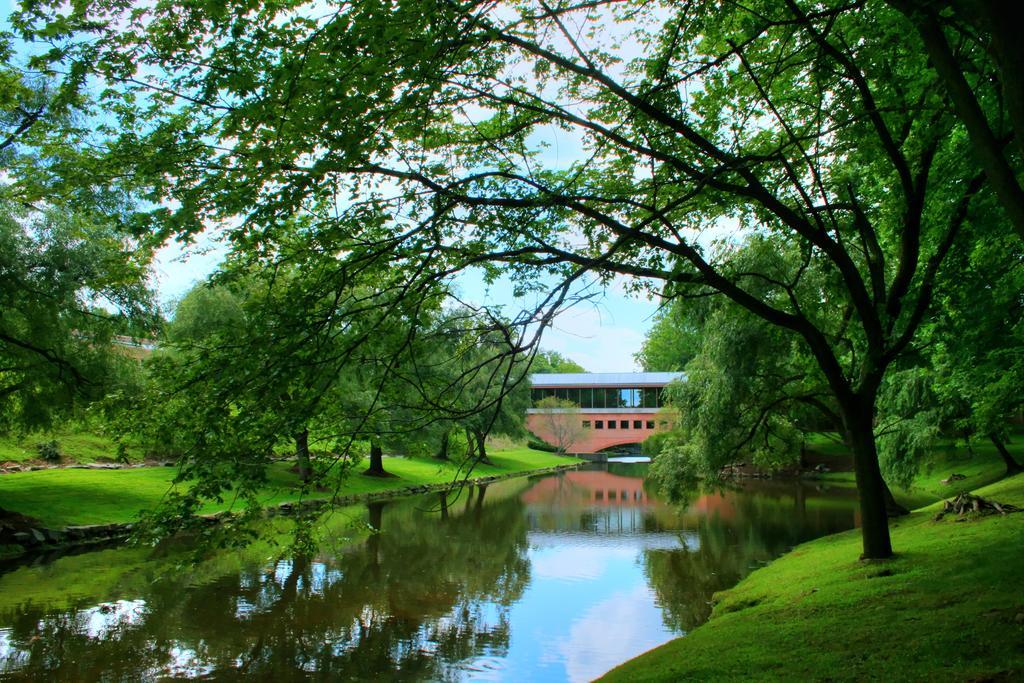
(553, 578)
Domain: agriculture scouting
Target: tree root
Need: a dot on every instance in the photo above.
(968, 504)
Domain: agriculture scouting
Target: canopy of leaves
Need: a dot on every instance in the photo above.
(552, 361)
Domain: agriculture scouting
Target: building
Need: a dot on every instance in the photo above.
(616, 409)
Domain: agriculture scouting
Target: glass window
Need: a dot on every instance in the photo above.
(611, 398)
(562, 394)
(624, 424)
(598, 424)
(638, 424)
(650, 398)
(662, 424)
(611, 424)
(626, 398)
(650, 424)
(611, 495)
(586, 424)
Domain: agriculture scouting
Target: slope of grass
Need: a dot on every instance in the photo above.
(949, 607)
(67, 497)
(981, 465)
(75, 447)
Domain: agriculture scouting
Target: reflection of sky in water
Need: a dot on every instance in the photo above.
(185, 663)
(588, 608)
(11, 656)
(104, 618)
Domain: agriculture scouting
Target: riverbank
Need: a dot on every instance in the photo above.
(75, 503)
(948, 607)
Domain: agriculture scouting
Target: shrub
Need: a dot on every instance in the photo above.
(49, 450)
(536, 444)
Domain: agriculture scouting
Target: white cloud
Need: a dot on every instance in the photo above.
(588, 652)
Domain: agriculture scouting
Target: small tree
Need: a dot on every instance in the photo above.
(560, 420)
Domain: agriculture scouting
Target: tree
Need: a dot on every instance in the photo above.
(978, 55)
(488, 375)
(751, 392)
(71, 274)
(671, 343)
(815, 128)
(56, 348)
(560, 422)
(553, 361)
(978, 349)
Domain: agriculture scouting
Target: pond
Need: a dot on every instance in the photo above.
(549, 578)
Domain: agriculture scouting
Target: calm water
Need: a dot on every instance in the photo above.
(542, 579)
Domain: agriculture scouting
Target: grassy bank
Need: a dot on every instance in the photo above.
(60, 498)
(949, 607)
(75, 446)
(980, 465)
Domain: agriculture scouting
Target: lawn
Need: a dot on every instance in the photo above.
(949, 607)
(66, 497)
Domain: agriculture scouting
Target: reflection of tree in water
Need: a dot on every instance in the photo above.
(758, 528)
(408, 602)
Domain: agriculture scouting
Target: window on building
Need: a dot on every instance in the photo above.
(624, 424)
(586, 398)
(662, 424)
(586, 424)
(650, 424)
(638, 424)
(598, 424)
(611, 424)
(650, 399)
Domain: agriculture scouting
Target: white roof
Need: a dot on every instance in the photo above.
(604, 379)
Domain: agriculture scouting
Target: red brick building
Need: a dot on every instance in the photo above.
(615, 408)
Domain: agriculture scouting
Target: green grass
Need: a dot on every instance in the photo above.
(826, 444)
(945, 609)
(981, 465)
(60, 498)
(75, 446)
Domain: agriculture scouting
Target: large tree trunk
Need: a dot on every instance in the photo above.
(481, 445)
(442, 452)
(874, 520)
(470, 445)
(376, 468)
(302, 455)
(1012, 466)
